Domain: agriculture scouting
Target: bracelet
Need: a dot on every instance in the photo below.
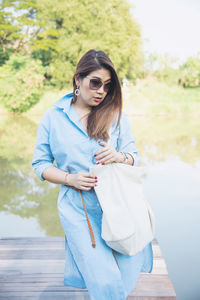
(124, 155)
(66, 178)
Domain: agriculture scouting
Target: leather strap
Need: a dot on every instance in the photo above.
(88, 221)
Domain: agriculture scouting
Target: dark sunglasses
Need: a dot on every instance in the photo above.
(96, 84)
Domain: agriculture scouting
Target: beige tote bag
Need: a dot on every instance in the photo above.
(128, 222)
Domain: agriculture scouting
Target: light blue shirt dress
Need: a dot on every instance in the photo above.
(61, 137)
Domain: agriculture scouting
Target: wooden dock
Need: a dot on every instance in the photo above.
(33, 268)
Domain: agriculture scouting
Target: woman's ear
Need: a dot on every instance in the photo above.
(77, 80)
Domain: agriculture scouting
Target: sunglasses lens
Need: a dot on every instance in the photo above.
(95, 84)
(107, 87)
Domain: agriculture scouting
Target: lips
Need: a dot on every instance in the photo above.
(97, 99)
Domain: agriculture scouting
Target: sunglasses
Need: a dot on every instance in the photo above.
(96, 84)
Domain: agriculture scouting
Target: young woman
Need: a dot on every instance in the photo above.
(74, 133)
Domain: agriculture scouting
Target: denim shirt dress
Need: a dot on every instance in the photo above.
(61, 137)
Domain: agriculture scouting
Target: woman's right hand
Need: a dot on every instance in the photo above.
(82, 181)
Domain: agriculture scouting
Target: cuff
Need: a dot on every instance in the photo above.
(135, 159)
(41, 168)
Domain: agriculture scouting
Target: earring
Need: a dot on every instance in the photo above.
(77, 91)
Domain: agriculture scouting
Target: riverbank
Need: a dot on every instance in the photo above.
(153, 97)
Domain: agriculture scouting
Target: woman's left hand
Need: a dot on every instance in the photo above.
(107, 154)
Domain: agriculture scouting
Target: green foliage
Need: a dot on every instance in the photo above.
(58, 33)
(18, 24)
(4, 55)
(162, 66)
(189, 75)
(70, 28)
(22, 82)
(168, 74)
(9, 33)
(165, 68)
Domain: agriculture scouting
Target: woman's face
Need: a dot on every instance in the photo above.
(91, 97)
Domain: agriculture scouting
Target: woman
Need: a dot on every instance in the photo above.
(74, 133)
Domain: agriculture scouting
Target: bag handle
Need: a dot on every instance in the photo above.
(88, 221)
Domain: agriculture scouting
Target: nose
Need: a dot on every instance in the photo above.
(101, 89)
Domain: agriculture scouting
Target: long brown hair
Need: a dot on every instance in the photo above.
(102, 116)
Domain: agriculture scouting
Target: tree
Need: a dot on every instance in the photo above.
(70, 28)
(22, 82)
(58, 33)
(17, 24)
(9, 33)
(189, 75)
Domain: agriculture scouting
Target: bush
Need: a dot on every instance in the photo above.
(167, 74)
(22, 83)
(190, 72)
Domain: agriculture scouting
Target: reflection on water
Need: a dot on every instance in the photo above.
(161, 137)
(26, 226)
(170, 154)
(23, 195)
(172, 187)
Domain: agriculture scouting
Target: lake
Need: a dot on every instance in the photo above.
(169, 149)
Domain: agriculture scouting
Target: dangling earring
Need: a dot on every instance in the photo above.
(77, 91)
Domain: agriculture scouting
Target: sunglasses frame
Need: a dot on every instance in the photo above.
(104, 84)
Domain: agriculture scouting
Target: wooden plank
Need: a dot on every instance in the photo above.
(154, 285)
(56, 243)
(146, 285)
(42, 254)
(24, 278)
(31, 239)
(38, 287)
(55, 266)
(45, 296)
(32, 254)
(35, 247)
(41, 240)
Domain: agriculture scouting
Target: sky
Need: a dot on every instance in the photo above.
(169, 26)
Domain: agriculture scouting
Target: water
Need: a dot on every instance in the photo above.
(173, 191)
(170, 155)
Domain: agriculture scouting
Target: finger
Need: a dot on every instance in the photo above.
(102, 143)
(101, 151)
(86, 186)
(87, 175)
(107, 158)
(83, 188)
(105, 153)
(87, 183)
(89, 180)
(109, 161)
(92, 178)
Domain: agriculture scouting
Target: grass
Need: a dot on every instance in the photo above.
(150, 96)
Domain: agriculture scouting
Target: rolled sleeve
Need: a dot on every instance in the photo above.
(126, 141)
(42, 157)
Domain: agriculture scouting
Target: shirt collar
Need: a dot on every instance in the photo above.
(64, 102)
